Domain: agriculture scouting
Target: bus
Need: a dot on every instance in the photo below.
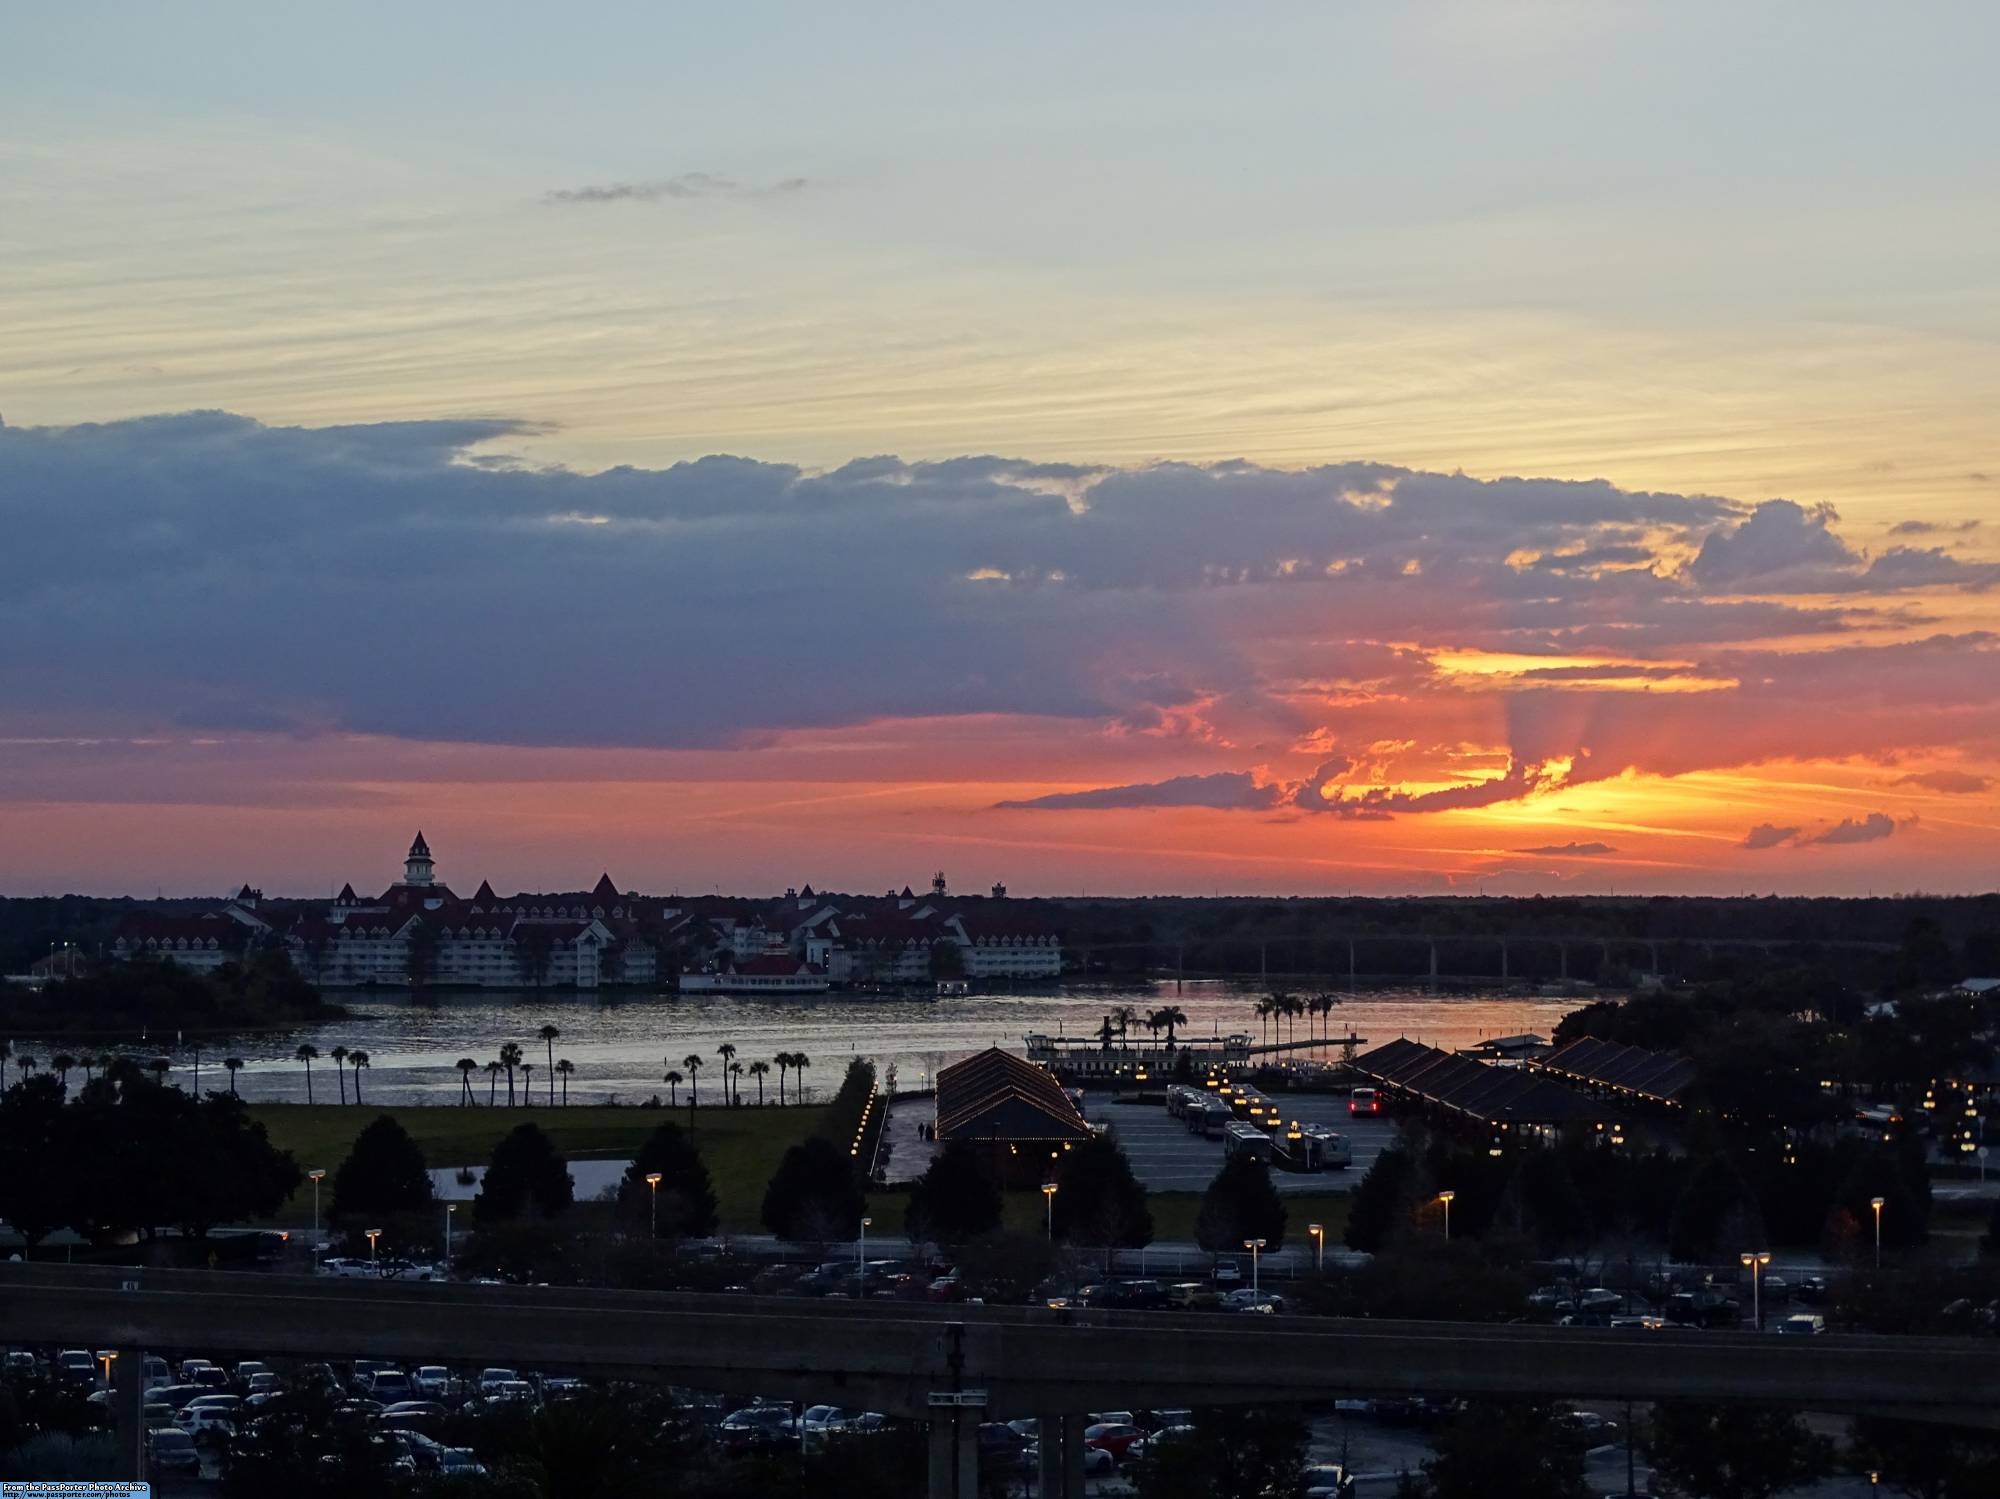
(1246, 1139)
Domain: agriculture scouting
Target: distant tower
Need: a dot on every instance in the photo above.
(937, 883)
(999, 892)
(417, 869)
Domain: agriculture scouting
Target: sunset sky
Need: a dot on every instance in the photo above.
(1519, 445)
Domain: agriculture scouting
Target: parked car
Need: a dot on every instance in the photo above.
(510, 1392)
(1191, 1296)
(819, 1419)
(1803, 1324)
(1260, 1303)
(435, 1382)
(1813, 1290)
(169, 1450)
(756, 1426)
(1114, 1437)
(76, 1366)
(1328, 1481)
(458, 1462)
(1227, 1272)
(1600, 1299)
(491, 1379)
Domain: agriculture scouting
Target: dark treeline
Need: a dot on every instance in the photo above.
(157, 998)
(1245, 935)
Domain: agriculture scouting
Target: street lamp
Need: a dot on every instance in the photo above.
(373, 1235)
(1255, 1246)
(1318, 1231)
(1755, 1264)
(1876, 1203)
(105, 1358)
(449, 1209)
(861, 1257)
(1446, 1199)
(1049, 1197)
(653, 1180)
(317, 1178)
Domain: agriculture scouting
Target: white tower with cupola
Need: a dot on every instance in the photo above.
(417, 868)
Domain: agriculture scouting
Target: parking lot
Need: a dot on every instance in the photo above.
(1166, 1158)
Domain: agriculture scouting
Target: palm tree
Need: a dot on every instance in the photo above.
(27, 1064)
(1124, 1017)
(306, 1054)
(692, 1061)
(673, 1080)
(527, 1074)
(159, 1067)
(339, 1055)
(104, 1062)
(86, 1062)
(549, 1033)
(729, 1054)
(492, 1082)
(1263, 1013)
(235, 1065)
(1167, 1019)
(510, 1058)
(62, 1061)
(800, 1061)
(466, 1067)
(357, 1060)
(735, 1083)
(784, 1062)
(760, 1070)
(563, 1070)
(197, 1069)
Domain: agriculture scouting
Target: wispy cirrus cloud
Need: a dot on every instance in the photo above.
(1951, 782)
(1226, 791)
(687, 185)
(1870, 829)
(1571, 850)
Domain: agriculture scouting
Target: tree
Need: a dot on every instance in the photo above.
(62, 1062)
(1166, 1019)
(356, 1060)
(1240, 1204)
(1714, 1215)
(783, 1061)
(565, 1069)
(1735, 1451)
(1544, 1456)
(549, 1035)
(813, 1196)
(339, 1055)
(686, 1201)
(1099, 1202)
(37, 1160)
(527, 1175)
(673, 1080)
(466, 1067)
(492, 1083)
(760, 1071)
(957, 1198)
(510, 1058)
(800, 1061)
(1239, 1452)
(234, 1066)
(736, 1082)
(228, 1169)
(1006, 1266)
(306, 1054)
(527, 1082)
(1384, 1201)
(692, 1061)
(1925, 1461)
(727, 1051)
(384, 1173)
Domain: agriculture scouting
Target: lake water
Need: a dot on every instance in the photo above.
(621, 1046)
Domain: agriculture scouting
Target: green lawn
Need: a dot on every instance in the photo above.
(741, 1146)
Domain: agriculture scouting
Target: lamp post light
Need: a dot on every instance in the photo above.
(1255, 1246)
(653, 1180)
(449, 1209)
(1446, 1198)
(861, 1257)
(317, 1178)
(373, 1235)
(1876, 1203)
(1318, 1231)
(1049, 1198)
(105, 1358)
(1755, 1264)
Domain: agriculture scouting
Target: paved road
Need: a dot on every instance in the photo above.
(1166, 1158)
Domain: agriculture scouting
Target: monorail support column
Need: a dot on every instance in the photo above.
(1503, 960)
(954, 1465)
(1061, 1466)
(1434, 963)
(128, 1413)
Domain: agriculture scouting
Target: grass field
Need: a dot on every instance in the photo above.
(741, 1146)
